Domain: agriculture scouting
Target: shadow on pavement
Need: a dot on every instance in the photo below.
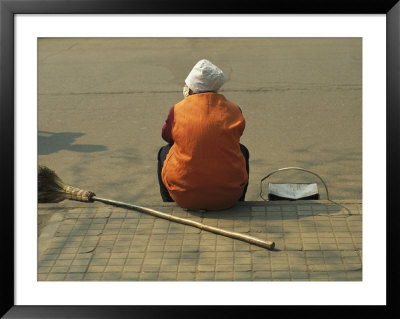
(50, 142)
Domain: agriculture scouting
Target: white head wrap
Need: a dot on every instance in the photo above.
(205, 77)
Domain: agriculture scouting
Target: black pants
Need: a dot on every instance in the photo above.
(162, 155)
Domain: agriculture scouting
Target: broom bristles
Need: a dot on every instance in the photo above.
(50, 186)
(51, 189)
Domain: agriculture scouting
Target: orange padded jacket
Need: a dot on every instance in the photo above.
(205, 168)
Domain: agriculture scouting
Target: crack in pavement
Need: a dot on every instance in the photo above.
(346, 87)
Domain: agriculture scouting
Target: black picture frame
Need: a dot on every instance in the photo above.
(9, 8)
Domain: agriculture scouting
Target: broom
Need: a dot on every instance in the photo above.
(51, 189)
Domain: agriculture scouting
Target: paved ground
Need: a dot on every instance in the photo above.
(315, 241)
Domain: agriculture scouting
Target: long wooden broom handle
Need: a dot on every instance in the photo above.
(249, 239)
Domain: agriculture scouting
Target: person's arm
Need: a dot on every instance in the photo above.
(167, 128)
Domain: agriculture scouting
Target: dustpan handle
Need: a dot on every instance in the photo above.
(295, 168)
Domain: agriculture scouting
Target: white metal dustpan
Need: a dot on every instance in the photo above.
(292, 191)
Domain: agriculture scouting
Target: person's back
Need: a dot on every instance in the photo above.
(204, 166)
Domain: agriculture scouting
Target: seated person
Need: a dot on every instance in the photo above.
(203, 167)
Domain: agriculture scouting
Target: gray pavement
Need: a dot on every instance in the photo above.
(315, 241)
